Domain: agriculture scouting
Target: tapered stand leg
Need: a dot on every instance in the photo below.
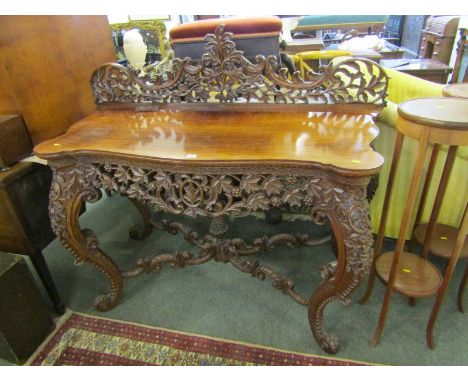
(438, 200)
(437, 203)
(402, 235)
(463, 231)
(461, 290)
(383, 219)
(425, 192)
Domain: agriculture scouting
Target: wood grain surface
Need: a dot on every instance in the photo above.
(339, 140)
(415, 276)
(45, 66)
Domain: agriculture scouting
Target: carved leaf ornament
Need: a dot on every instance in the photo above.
(216, 195)
(224, 75)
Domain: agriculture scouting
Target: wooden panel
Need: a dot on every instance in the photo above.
(412, 33)
(46, 63)
(12, 238)
(340, 140)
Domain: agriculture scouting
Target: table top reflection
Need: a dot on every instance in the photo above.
(330, 138)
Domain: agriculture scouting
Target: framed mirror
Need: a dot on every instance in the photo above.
(153, 32)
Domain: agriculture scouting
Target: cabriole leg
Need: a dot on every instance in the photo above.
(70, 188)
(141, 231)
(351, 225)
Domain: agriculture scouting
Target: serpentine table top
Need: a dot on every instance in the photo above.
(220, 137)
(337, 141)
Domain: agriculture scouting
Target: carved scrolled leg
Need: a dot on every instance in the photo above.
(141, 231)
(351, 226)
(70, 189)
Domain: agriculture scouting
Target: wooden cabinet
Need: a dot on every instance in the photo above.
(24, 219)
(438, 37)
(427, 69)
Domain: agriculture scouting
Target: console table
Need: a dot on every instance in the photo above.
(225, 136)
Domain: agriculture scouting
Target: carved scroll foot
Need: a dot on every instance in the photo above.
(141, 231)
(325, 293)
(351, 226)
(328, 341)
(71, 187)
(105, 302)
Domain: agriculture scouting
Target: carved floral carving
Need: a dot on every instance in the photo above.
(224, 75)
(224, 194)
(321, 193)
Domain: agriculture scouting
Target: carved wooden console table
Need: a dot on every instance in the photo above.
(221, 137)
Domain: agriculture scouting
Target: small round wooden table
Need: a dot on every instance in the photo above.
(434, 121)
(456, 90)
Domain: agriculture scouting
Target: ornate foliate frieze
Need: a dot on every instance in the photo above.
(217, 195)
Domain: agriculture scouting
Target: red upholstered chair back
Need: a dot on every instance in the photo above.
(252, 35)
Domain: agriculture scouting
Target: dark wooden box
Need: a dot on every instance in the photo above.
(25, 320)
(24, 218)
(15, 143)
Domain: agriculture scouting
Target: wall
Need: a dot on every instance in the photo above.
(46, 63)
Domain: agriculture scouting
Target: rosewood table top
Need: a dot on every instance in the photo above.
(337, 140)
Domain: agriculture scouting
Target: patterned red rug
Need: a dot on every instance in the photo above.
(89, 340)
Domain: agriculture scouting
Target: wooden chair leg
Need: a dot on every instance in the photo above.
(463, 231)
(383, 218)
(461, 290)
(402, 235)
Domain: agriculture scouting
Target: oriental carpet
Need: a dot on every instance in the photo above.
(88, 340)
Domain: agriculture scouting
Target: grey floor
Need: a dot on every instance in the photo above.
(217, 300)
